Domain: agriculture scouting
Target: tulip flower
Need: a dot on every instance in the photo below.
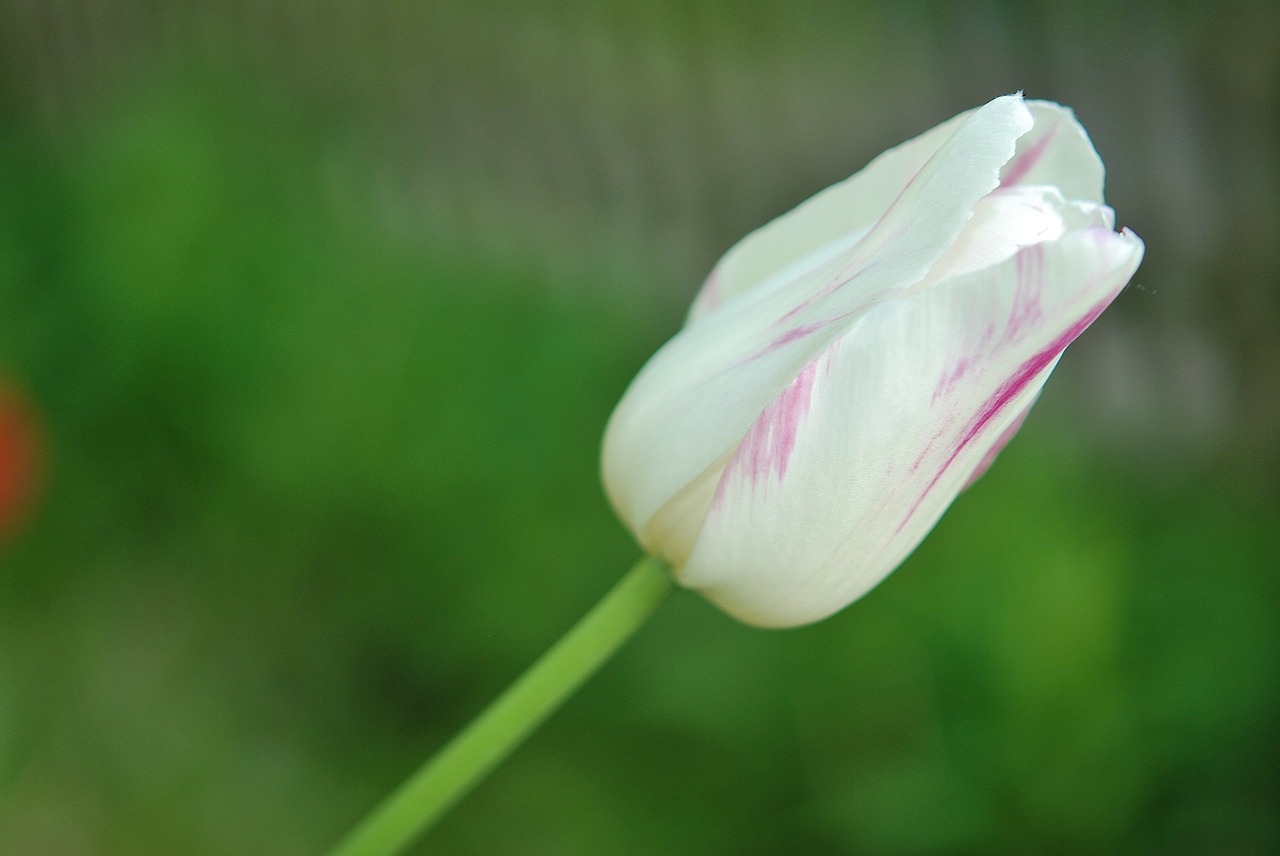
(844, 373)
(849, 368)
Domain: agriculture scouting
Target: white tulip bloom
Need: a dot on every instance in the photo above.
(850, 367)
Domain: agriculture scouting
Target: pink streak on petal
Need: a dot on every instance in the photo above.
(858, 264)
(1028, 289)
(842, 278)
(1026, 161)
(766, 449)
(1025, 311)
(1008, 391)
(951, 379)
(1003, 440)
(1025, 374)
(793, 335)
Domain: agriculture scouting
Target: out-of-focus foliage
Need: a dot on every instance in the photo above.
(322, 312)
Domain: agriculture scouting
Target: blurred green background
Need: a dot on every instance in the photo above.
(323, 306)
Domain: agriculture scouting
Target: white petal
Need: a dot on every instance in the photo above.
(846, 472)
(1057, 152)
(1009, 219)
(696, 398)
(828, 223)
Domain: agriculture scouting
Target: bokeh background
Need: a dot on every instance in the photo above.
(311, 316)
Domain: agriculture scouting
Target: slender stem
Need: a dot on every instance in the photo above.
(478, 748)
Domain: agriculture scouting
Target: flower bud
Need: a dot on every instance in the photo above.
(849, 368)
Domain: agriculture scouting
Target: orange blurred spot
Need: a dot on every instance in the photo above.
(19, 460)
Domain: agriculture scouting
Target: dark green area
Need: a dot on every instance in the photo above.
(320, 486)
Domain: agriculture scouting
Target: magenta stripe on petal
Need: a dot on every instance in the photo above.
(1027, 160)
(1006, 393)
(1028, 289)
(766, 449)
(1025, 374)
(1003, 440)
(795, 334)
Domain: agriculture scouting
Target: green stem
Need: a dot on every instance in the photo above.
(478, 748)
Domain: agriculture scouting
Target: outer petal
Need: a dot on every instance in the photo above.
(823, 225)
(696, 398)
(847, 471)
(1056, 152)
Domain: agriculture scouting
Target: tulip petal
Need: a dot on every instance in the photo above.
(848, 469)
(831, 221)
(1057, 152)
(1009, 219)
(721, 373)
